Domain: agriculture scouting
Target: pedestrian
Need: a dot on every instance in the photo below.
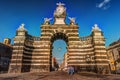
(72, 70)
(68, 69)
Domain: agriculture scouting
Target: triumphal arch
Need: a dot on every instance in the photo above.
(33, 54)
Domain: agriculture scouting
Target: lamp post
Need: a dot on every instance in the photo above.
(116, 66)
(110, 65)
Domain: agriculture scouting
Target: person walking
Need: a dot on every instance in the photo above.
(69, 71)
(72, 70)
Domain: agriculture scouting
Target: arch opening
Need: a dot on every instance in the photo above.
(59, 43)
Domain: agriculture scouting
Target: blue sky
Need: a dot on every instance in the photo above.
(105, 13)
(59, 49)
(86, 12)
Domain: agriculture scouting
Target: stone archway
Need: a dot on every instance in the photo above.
(59, 35)
(88, 51)
(55, 37)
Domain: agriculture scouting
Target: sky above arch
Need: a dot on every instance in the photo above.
(105, 13)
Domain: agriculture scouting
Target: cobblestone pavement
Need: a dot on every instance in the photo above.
(58, 75)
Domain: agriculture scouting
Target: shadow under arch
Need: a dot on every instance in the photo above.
(55, 37)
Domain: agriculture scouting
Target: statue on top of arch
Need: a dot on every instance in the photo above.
(60, 11)
(47, 20)
(72, 20)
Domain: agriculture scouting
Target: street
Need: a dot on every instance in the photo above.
(58, 75)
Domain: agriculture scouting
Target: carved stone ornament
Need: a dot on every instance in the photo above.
(72, 20)
(60, 11)
(47, 20)
(96, 28)
(21, 27)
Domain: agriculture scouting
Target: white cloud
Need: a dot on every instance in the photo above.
(104, 4)
(106, 1)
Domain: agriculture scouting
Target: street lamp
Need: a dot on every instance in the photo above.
(116, 66)
(110, 65)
